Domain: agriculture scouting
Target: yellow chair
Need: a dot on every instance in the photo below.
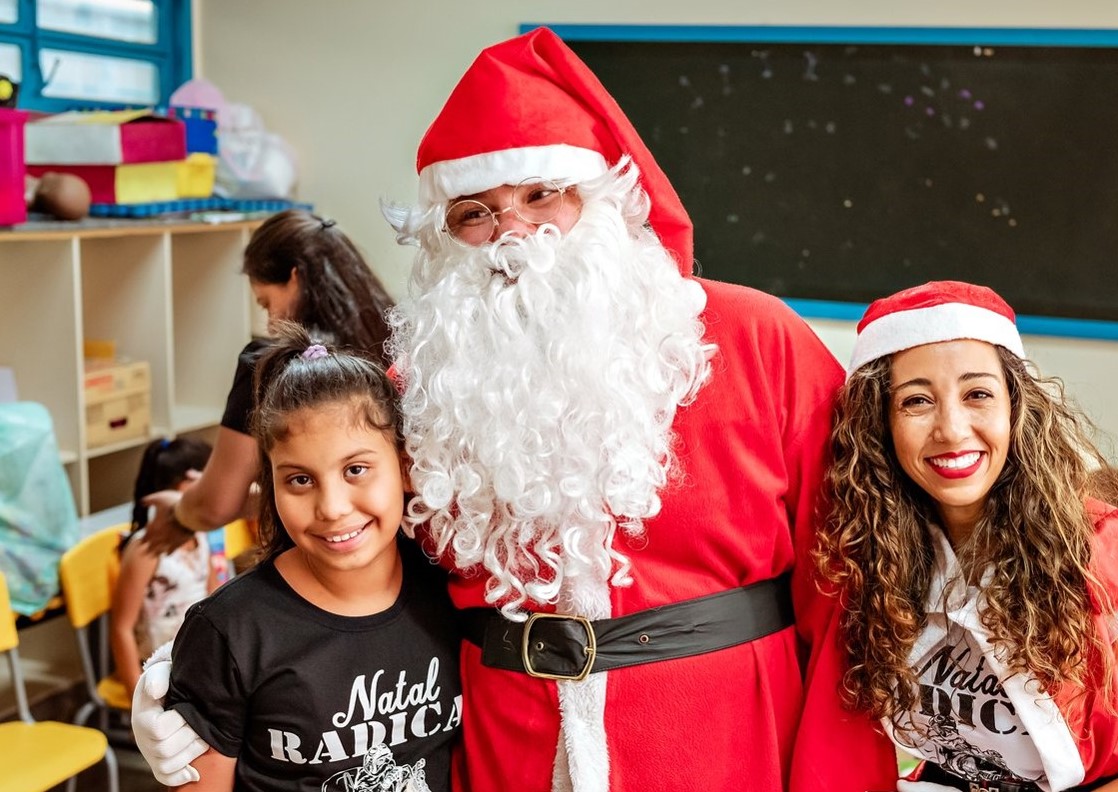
(88, 572)
(239, 538)
(38, 755)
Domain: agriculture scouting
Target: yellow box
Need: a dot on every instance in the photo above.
(146, 182)
(196, 176)
(100, 348)
(117, 402)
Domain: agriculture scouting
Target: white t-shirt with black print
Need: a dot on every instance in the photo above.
(972, 717)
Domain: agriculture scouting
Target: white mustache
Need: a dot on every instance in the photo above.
(514, 253)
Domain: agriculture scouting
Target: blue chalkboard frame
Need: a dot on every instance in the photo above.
(1049, 37)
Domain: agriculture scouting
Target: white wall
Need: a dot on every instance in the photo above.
(353, 84)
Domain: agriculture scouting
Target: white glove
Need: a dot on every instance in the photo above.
(921, 786)
(168, 744)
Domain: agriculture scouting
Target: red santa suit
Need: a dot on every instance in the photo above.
(750, 453)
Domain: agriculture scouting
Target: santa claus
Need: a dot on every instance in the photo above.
(619, 462)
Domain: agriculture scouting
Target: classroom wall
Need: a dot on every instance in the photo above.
(353, 84)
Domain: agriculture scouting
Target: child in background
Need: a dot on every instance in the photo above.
(153, 591)
(333, 664)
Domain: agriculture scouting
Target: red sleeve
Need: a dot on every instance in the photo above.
(835, 750)
(1094, 723)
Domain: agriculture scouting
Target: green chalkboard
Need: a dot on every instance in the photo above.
(845, 171)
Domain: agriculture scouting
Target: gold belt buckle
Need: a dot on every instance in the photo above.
(590, 649)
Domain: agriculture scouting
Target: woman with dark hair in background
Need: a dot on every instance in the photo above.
(301, 268)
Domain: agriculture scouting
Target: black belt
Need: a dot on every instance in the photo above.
(554, 646)
(937, 775)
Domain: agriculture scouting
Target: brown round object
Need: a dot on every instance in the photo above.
(62, 195)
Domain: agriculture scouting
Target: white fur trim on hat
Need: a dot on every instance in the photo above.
(902, 330)
(442, 181)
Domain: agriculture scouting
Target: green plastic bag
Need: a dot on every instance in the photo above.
(38, 521)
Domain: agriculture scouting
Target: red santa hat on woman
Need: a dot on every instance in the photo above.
(934, 312)
(528, 107)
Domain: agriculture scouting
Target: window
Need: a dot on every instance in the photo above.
(69, 54)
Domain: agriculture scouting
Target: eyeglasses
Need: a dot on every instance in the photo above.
(536, 201)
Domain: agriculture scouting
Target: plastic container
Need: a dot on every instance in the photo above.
(13, 205)
(218, 561)
(201, 128)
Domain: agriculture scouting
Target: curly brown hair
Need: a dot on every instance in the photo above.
(1034, 533)
(1103, 484)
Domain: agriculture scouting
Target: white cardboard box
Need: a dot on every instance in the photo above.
(117, 402)
(118, 137)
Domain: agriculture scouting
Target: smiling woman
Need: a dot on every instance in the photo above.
(978, 576)
(950, 422)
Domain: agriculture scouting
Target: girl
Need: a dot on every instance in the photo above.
(978, 579)
(333, 665)
(301, 268)
(153, 591)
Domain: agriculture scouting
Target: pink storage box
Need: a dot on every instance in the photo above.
(13, 205)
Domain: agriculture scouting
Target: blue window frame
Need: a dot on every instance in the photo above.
(70, 54)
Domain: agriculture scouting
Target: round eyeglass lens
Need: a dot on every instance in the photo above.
(537, 200)
(470, 221)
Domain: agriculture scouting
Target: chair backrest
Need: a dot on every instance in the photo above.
(239, 537)
(38, 755)
(9, 638)
(9, 646)
(88, 571)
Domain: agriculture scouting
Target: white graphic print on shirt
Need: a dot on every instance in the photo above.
(972, 726)
(379, 773)
(379, 712)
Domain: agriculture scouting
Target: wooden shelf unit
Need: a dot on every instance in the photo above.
(168, 293)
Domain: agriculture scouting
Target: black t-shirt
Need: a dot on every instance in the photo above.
(239, 403)
(308, 700)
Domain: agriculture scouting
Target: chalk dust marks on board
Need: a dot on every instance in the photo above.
(936, 105)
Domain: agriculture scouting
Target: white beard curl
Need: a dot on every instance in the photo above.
(542, 378)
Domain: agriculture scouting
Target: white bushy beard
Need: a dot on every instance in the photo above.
(542, 378)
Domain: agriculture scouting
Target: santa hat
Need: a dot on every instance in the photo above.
(934, 312)
(528, 107)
